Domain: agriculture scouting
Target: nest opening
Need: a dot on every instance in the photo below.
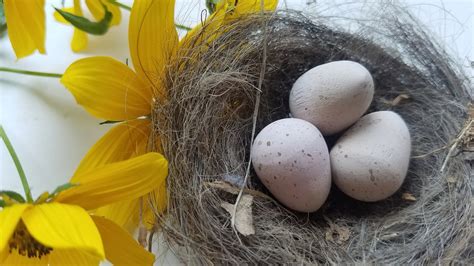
(206, 125)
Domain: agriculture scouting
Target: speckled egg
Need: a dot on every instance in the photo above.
(291, 158)
(332, 96)
(370, 161)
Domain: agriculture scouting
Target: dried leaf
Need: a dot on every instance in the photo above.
(337, 233)
(229, 188)
(468, 141)
(142, 236)
(389, 236)
(396, 101)
(224, 186)
(451, 179)
(408, 197)
(243, 215)
(329, 236)
(344, 233)
(399, 98)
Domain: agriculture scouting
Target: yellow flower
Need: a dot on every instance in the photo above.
(110, 90)
(62, 232)
(79, 39)
(226, 10)
(26, 26)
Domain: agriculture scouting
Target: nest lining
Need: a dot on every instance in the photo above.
(206, 128)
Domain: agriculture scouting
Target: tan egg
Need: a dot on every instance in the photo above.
(291, 158)
(332, 96)
(370, 161)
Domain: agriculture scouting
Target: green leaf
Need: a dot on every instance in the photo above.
(211, 5)
(13, 195)
(96, 28)
(61, 188)
(2, 203)
(3, 21)
(106, 122)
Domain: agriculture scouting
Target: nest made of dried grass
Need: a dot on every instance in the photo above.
(206, 130)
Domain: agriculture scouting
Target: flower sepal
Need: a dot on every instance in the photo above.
(96, 28)
(46, 197)
(11, 197)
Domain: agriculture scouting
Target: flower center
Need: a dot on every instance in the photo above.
(26, 244)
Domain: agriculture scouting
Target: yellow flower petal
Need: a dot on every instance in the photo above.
(107, 88)
(72, 257)
(152, 39)
(56, 257)
(79, 39)
(243, 7)
(97, 10)
(225, 10)
(117, 181)
(154, 204)
(159, 199)
(63, 226)
(26, 26)
(120, 247)
(3, 255)
(9, 218)
(207, 31)
(124, 213)
(15, 259)
(124, 141)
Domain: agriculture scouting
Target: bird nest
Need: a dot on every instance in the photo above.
(223, 91)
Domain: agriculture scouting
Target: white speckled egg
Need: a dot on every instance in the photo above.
(332, 96)
(370, 161)
(291, 158)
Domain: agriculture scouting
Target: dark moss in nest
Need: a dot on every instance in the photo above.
(206, 128)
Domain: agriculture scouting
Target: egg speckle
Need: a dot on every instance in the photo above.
(294, 166)
(332, 96)
(370, 161)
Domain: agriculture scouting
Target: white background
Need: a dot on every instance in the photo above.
(51, 133)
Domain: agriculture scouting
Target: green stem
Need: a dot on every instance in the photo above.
(114, 2)
(12, 152)
(31, 73)
(182, 27)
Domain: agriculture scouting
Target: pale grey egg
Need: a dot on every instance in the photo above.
(370, 161)
(291, 158)
(332, 96)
